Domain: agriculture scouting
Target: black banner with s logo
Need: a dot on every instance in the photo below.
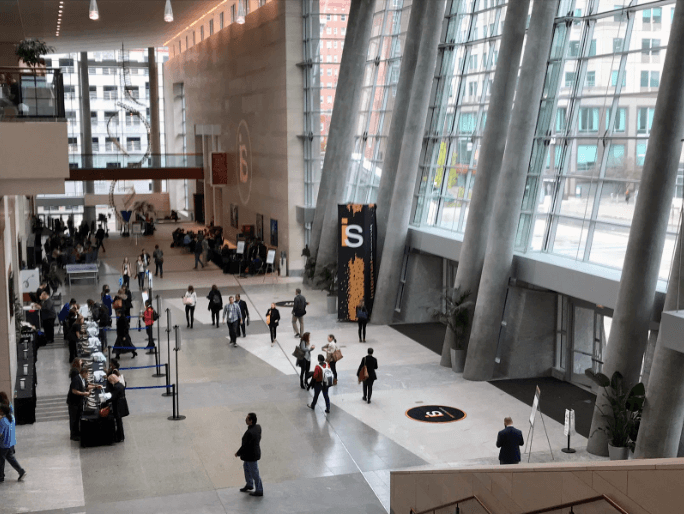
(356, 271)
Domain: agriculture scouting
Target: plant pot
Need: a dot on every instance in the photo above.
(332, 304)
(458, 358)
(618, 452)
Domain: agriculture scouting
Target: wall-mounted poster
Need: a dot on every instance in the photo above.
(260, 227)
(274, 233)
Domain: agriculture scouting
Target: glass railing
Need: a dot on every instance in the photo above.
(33, 93)
(117, 160)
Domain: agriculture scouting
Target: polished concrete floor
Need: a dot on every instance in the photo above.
(311, 462)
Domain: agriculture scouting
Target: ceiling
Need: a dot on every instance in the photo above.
(137, 23)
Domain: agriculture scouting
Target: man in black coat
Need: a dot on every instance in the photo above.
(371, 364)
(245, 314)
(119, 404)
(250, 453)
(510, 439)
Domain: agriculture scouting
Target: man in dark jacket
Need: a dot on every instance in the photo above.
(250, 453)
(510, 439)
(371, 364)
(298, 312)
(245, 314)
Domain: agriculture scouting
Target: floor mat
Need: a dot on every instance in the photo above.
(556, 396)
(430, 335)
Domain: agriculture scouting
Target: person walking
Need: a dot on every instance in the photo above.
(250, 453)
(190, 301)
(123, 343)
(362, 319)
(272, 320)
(510, 439)
(215, 305)
(126, 272)
(145, 258)
(371, 365)
(8, 441)
(298, 313)
(320, 384)
(158, 256)
(245, 315)
(150, 316)
(198, 253)
(305, 362)
(233, 316)
(330, 348)
(47, 316)
(99, 239)
(140, 271)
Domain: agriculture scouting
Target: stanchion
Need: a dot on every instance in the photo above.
(156, 347)
(168, 380)
(176, 393)
(168, 352)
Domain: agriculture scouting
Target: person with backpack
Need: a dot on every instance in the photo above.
(298, 313)
(150, 316)
(322, 380)
(64, 314)
(215, 305)
(362, 318)
(366, 374)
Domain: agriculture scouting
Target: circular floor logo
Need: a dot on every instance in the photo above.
(286, 303)
(244, 162)
(435, 414)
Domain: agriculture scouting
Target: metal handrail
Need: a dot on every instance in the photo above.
(580, 502)
(434, 509)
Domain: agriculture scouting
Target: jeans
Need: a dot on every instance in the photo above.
(150, 336)
(362, 329)
(273, 332)
(198, 258)
(190, 315)
(215, 316)
(233, 331)
(318, 387)
(252, 478)
(368, 388)
(141, 280)
(159, 268)
(7, 454)
(295, 319)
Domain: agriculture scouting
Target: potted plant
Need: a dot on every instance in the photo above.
(624, 417)
(456, 315)
(328, 279)
(30, 51)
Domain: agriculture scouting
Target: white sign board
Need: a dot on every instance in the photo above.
(29, 280)
(240, 247)
(569, 422)
(535, 405)
(270, 257)
(136, 229)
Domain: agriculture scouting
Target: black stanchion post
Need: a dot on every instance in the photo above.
(176, 392)
(156, 346)
(173, 388)
(168, 380)
(168, 351)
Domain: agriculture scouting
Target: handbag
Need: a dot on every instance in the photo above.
(363, 374)
(118, 303)
(298, 352)
(104, 412)
(268, 319)
(337, 355)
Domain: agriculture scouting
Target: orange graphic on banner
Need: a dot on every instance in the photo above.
(356, 288)
(355, 208)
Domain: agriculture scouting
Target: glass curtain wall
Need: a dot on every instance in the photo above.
(593, 130)
(379, 91)
(458, 112)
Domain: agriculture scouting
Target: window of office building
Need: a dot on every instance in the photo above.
(211, 27)
(221, 23)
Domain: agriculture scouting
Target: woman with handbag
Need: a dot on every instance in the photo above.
(272, 320)
(367, 375)
(190, 300)
(126, 272)
(305, 361)
(332, 355)
(362, 318)
(215, 305)
(140, 271)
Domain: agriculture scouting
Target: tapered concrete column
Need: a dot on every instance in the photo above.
(409, 58)
(208, 188)
(86, 129)
(411, 144)
(341, 135)
(484, 335)
(482, 202)
(155, 138)
(634, 307)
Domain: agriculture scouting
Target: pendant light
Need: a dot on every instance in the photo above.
(168, 12)
(94, 14)
(241, 12)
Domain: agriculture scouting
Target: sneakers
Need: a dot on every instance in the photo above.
(297, 336)
(246, 489)
(327, 411)
(21, 476)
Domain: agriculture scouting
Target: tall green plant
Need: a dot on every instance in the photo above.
(30, 51)
(456, 314)
(328, 279)
(624, 417)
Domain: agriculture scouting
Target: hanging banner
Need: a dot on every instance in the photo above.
(355, 259)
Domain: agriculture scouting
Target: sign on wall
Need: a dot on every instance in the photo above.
(355, 258)
(243, 162)
(219, 169)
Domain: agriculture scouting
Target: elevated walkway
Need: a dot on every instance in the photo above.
(135, 167)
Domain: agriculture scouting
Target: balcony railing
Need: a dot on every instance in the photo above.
(118, 160)
(36, 93)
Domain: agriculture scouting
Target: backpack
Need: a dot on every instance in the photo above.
(155, 316)
(328, 376)
(216, 298)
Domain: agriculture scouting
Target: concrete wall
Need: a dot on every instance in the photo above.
(248, 73)
(638, 487)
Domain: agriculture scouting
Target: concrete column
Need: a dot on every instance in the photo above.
(86, 129)
(208, 188)
(496, 271)
(412, 142)
(629, 332)
(648, 357)
(155, 138)
(341, 135)
(482, 202)
(409, 58)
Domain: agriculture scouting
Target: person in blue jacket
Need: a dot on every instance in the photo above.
(7, 442)
(510, 439)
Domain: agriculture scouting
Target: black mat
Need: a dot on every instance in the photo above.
(556, 396)
(430, 335)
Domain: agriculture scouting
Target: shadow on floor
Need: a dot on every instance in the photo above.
(430, 335)
(556, 396)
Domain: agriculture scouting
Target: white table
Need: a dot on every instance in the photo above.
(85, 271)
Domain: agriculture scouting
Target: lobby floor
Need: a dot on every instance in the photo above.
(311, 462)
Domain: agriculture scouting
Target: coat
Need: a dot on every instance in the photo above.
(371, 365)
(215, 301)
(510, 439)
(274, 317)
(118, 401)
(250, 451)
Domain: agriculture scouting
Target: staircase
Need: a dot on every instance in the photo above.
(51, 408)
